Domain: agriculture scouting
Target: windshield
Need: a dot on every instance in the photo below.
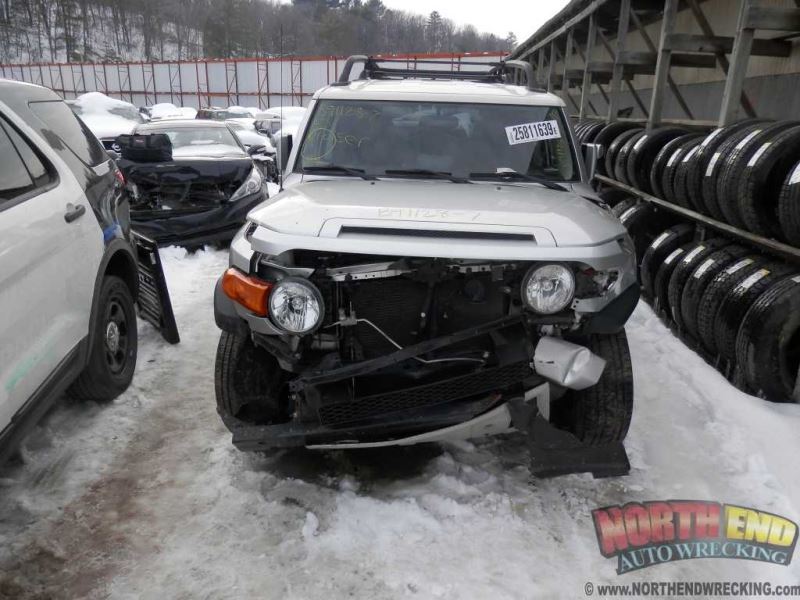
(199, 141)
(457, 139)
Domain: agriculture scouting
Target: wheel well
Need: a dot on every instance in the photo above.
(123, 266)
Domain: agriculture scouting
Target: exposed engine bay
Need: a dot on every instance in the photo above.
(401, 333)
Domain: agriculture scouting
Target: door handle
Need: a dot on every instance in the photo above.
(74, 212)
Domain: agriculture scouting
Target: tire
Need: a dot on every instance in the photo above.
(694, 256)
(114, 346)
(643, 155)
(613, 196)
(762, 180)
(789, 207)
(249, 383)
(679, 191)
(624, 205)
(606, 136)
(662, 158)
(699, 279)
(716, 291)
(707, 148)
(662, 246)
(734, 168)
(614, 148)
(716, 164)
(591, 132)
(768, 343)
(602, 413)
(663, 274)
(738, 300)
(672, 186)
(644, 223)
(623, 157)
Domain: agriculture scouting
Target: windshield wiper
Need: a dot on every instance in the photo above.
(428, 173)
(503, 173)
(339, 169)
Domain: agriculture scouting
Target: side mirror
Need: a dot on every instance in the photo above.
(591, 154)
(284, 150)
(257, 149)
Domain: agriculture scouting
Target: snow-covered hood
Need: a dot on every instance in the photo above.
(321, 208)
(106, 126)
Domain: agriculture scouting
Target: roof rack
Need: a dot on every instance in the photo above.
(516, 72)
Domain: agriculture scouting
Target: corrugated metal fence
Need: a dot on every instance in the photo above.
(243, 81)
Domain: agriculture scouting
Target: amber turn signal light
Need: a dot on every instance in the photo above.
(250, 292)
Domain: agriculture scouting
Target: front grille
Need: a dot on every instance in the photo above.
(484, 381)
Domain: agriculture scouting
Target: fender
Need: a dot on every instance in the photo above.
(118, 259)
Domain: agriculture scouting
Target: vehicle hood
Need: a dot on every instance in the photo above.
(323, 207)
(184, 182)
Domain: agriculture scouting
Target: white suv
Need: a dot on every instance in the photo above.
(68, 276)
(436, 262)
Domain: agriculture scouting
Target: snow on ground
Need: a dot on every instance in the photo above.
(146, 497)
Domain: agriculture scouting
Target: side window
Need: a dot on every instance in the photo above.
(70, 130)
(14, 177)
(36, 169)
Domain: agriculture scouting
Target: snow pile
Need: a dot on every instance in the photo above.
(146, 497)
(106, 117)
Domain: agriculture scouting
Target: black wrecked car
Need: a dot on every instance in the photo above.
(190, 182)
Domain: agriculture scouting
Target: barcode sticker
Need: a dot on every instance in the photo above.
(641, 141)
(703, 268)
(675, 254)
(758, 154)
(657, 242)
(688, 258)
(712, 163)
(796, 279)
(739, 265)
(747, 138)
(795, 175)
(674, 157)
(532, 132)
(710, 137)
(751, 280)
(690, 154)
(628, 213)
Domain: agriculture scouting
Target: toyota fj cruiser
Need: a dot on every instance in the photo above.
(435, 263)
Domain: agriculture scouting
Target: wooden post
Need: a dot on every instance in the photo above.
(616, 74)
(551, 66)
(586, 84)
(662, 64)
(738, 69)
(565, 77)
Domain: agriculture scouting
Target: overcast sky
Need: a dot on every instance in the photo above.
(523, 17)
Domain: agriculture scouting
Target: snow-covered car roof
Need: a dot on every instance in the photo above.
(437, 91)
(178, 123)
(104, 116)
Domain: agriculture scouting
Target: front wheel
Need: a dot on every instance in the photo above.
(602, 413)
(248, 381)
(112, 358)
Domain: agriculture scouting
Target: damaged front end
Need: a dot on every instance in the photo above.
(192, 202)
(376, 350)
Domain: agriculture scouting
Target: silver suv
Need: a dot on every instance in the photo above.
(435, 261)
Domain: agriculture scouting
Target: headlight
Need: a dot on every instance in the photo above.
(548, 289)
(251, 185)
(295, 305)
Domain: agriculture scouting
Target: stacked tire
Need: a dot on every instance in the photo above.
(740, 310)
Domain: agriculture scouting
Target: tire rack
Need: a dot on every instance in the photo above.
(575, 33)
(703, 222)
